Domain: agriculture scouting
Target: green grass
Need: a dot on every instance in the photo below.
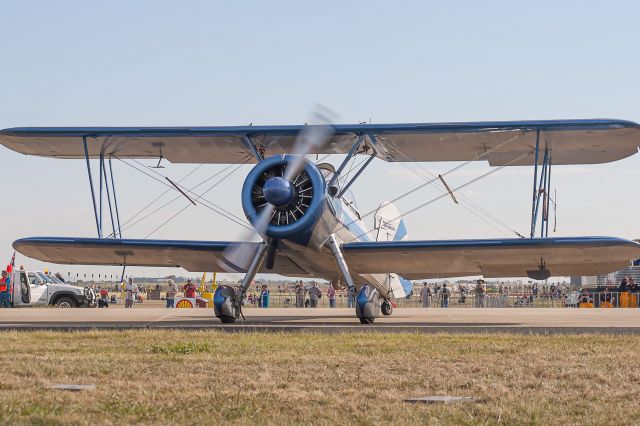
(180, 348)
(196, 377)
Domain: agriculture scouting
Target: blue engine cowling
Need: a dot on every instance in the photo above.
(299, 204)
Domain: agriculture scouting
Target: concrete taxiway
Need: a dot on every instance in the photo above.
(621, 321)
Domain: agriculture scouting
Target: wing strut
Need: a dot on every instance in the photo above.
(361, 169)
(93, 193)
(350, 154)
(106, 179)
(115, 199)
(541, 191)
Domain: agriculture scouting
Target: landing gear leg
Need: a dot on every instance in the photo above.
(367, 299)
(342, 264)
(227, 303)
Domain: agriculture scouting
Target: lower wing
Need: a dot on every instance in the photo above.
(492, 258)
(410, 259)
(193, 256)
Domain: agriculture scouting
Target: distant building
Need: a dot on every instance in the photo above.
(614, 278)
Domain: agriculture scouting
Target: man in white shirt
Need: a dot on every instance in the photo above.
(132, 289)
(171, 294)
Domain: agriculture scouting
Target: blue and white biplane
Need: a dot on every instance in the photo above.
(306, 219)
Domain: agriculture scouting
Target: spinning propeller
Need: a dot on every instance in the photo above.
(282, 194)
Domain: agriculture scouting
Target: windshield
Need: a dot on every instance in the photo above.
(327, 170)
(45, 278)
(55, 279)
(34, 279)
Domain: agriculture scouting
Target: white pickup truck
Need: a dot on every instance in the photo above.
(29, 288)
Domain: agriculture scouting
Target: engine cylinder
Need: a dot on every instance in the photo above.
(297, 204)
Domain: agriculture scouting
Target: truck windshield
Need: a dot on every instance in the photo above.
(54, 279)
(45, 278)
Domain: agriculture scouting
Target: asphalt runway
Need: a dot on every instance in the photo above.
(512, 320)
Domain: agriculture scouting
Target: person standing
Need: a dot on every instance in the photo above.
(445, 296)
(314, 295)
(189, 289)
(331, 294)
(132, 289)
(300, 293)
(103, 302)
(351, 298)
(463, 294)
(171, 294)
(425, 295)
(264, 297)
(481, 292)
(5, 290)
(623, 285)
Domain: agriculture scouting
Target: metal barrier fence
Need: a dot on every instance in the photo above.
(491, 300)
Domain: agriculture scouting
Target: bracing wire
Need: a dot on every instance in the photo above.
(345, 177)
(175, 198)
(470, 202)
(139, 212)
(205, 202)
(437, 179)
(199, 198)
(433, 200)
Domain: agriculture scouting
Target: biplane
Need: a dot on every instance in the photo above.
(305, 215)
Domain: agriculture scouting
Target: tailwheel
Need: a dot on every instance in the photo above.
(386, 307)
(366, 320)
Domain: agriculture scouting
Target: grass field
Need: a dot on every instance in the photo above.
(203, 377)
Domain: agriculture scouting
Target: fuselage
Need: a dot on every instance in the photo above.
(303, 211)
(342, 219)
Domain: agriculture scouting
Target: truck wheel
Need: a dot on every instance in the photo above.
(65, 302)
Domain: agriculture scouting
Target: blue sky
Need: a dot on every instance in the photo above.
(223, 63)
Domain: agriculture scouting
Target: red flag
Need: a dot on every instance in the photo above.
(12, 263)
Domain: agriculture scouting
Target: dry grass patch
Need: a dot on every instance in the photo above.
(195, 377)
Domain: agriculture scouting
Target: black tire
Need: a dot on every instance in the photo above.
(386, 308)
(227, 320)
(65, 302)
(367, 321)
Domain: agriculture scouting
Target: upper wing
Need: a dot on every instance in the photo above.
(570, 141)
(195, 256)
(492, 258)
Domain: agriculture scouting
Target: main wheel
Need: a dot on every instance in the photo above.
(386, 308)
(65, 302)
(366, 320)
(227, 320)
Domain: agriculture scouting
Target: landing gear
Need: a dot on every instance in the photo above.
(227, 302)
(227, 320)
(367, 304)
(386, 308)
(367, 299)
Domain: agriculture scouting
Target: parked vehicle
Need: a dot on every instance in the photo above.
(34, 288)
